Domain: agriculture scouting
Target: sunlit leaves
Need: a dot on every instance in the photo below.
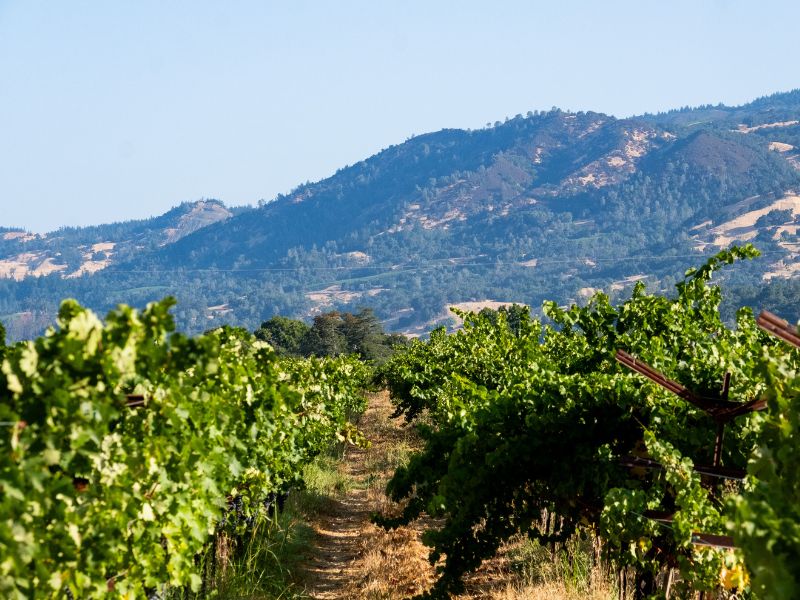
(766, 518)
(538, 418)
(97, 497)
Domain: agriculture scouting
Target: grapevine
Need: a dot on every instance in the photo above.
(540, 417)
(100, 498)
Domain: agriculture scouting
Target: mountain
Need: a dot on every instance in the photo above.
(75, 252)
(548, 205)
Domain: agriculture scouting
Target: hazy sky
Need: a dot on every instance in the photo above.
(111, 110)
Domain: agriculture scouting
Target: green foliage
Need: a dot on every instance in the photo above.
(766, 520)
(283, 334)
(258, 564)
(515, 315)
(420, 377)
(538, 418)
(98, 497)
(775, 217)
(325, 337)
(336, 333)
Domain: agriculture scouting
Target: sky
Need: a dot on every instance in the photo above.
(114, 110)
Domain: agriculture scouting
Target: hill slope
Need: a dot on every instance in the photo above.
(551, 205)
(74, 252)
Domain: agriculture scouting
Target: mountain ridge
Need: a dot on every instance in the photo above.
(478, 215)
(76, 251)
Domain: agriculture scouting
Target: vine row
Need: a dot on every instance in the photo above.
(522, 417)
(103, 497)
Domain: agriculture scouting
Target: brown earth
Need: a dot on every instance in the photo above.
(352, 558)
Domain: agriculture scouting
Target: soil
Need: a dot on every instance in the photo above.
(351, 557)
(336, 548)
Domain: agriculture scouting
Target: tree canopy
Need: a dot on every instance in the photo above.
(331, 334)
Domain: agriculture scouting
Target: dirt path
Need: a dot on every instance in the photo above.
(331, 568)
(352, 558)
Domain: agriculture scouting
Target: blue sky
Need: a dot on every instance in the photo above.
(111, 110)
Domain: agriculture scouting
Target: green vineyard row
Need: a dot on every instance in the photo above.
(522, 418)
(101, 499)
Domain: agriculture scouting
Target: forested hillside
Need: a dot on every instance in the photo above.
(547, 205)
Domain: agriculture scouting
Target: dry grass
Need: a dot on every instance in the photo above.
(389, 564)
(742, 228)
(554, 590)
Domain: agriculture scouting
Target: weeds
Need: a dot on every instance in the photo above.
(324, 483)
(258, 564)
(568, 571)
(263, 562)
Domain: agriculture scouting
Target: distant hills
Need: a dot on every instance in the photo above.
(551, 205)
(75, 252)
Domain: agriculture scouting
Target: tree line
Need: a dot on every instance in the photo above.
(332, 333)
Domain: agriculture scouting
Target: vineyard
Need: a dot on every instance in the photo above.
(651, 433)
(127, 448)
(544, 430)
